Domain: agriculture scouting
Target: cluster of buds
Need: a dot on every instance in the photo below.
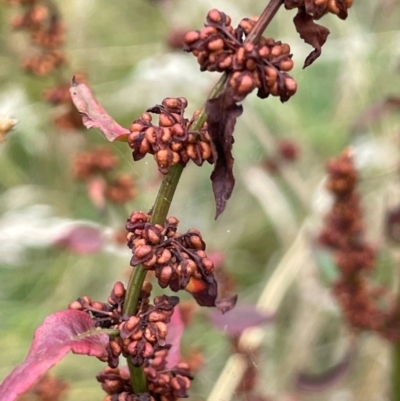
(163, 384)
(140, 336)
(172, 141)
(220, 47)
(354, 256)
(142, 339)
(69, 118)
(318, 8)
(105, 314)
(178, 260)
(100, 162)
(42, 22)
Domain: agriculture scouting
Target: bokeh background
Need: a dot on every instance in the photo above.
(265, 234)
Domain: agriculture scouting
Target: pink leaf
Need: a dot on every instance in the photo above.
(239, 319)
(175, 331)
(81, 239)
(94, 115)
(69, 330)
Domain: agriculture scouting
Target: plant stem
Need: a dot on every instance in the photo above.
(160, 210)
(264, 20)
(167, 191)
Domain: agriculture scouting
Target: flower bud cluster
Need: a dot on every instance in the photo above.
(319, 8)
(46, 32)
(101, 162)
(175, 258)
(140, 336)
(105, 314)
(220, 47)
(143, 335)
(172, 141)
(355, 258)
(163, 384)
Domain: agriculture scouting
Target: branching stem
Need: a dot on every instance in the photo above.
(167, 191)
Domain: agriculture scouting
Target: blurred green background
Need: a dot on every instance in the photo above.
(122, 48)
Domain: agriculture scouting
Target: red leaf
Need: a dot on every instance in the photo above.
(222, 113)
(175, 331)
(81, 239)
(61, 332)
(239, 319)
(94, 115)
(312, 33)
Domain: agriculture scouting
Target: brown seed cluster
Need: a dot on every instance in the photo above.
(163, 384)
(102, 162)
(41, 20)
(318, 8)
(220, 47)
(142, 339)
(140, 336)
(175, 258)
(354, 256)
(172, 141)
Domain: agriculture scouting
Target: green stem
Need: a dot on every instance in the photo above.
(159, 214)
(167, 191)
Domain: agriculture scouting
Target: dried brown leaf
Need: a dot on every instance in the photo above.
(94, 115)
(222, 113)
(312, 33)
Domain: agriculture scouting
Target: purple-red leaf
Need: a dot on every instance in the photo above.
(239, 319)
(81, 239)
(222, 113)
(174, 335)
(94, 115)
(65, 331)
(312, 33)
(326, 379)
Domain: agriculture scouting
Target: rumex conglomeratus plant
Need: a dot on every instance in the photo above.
(129, 325)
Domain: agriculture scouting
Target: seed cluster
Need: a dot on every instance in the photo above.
(142, 339)
(172, 141)
(354, 256)
(318, 8)
(220, 47)
(46, 33)
(175, 258)
(163, 384)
